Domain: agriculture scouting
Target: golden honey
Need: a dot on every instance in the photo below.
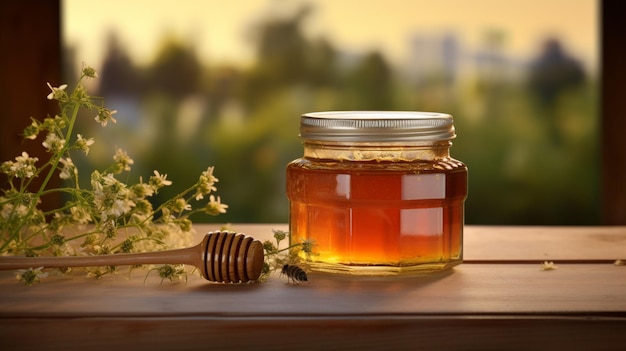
(377, 193)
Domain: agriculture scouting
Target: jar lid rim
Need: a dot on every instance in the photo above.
(376, 126)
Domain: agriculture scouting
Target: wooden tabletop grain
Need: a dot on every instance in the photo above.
(500, 298)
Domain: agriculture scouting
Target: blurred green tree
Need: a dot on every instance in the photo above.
(551, 75)
(176, 70)
(281, 52)
(370, 84)
(118, 75)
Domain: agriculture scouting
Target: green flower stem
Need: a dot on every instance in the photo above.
(288, 248)
(59, 190)
(55, 161)
(82, 235)
(167, 203)
(57, 156)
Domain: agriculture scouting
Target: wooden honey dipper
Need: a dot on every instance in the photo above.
(222, 256)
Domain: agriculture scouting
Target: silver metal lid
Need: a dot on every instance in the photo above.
(376, 126)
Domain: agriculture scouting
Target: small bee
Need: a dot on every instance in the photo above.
(294, 273)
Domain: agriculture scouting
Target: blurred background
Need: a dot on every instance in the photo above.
(213, 83)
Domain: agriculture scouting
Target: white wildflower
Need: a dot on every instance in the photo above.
(68, 170)
(23, 167)
(180, 205)
(57, 93)
(84, 144)
(215, 207)
(53, 143)
(141, 189)
(80, 214)
(105, 115)
(159, 180)
(8, 211)
(206, 184)
(90, 72)
(122, 160)
(32, 130)
(111, 197)
(31, 276)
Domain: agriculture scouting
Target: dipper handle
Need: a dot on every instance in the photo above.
(222, 256)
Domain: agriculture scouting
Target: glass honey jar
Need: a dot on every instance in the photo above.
(377, 193)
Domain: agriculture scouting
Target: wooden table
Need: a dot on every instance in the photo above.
(499, 299)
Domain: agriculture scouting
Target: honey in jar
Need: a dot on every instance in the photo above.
(377, 193)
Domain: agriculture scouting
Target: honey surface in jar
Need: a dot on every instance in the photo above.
(380, 217)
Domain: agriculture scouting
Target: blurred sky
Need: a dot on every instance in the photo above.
(222, 30)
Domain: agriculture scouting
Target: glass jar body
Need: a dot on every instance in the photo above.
(378, 209)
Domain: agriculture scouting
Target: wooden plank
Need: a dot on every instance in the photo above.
(544, 243)
(465, 290)
(468, 289)
(383, 333)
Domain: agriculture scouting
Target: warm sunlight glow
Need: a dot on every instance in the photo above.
(221, 30)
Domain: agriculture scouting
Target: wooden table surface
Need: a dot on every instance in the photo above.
(499, 299)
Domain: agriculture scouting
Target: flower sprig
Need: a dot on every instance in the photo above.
(277, 256)
(31, 276)
(105, 209)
